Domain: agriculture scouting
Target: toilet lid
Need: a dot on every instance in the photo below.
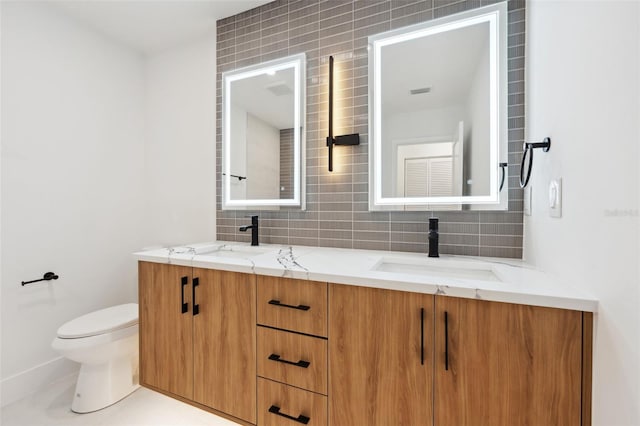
(100, 322)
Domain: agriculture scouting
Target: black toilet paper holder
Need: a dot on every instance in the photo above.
(47, 277)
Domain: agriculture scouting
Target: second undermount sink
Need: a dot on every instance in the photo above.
(237, 251)
(449, 268)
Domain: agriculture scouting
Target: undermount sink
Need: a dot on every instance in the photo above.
(438, 267)
(236, 251)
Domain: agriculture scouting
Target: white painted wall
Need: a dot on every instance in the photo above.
(180, 144)
(72, 173)
(104, 151)
(583, 91)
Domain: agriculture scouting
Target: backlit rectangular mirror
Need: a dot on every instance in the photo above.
(438, 113)
(263, 135)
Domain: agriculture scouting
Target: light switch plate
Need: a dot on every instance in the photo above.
(527, 201)
(555, 198)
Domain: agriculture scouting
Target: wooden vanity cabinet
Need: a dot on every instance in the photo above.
(486, 364)
(282, 405)
(272, 351)
(224, 343)
(198, 336)
(166, 338)
(292, 351)
(293, 304)
(277, 349)
(380, 357)
(506, 364)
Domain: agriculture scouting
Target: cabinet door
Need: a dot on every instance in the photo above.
(225, 342)
(503, 364)
(166, 349)
(380, 357)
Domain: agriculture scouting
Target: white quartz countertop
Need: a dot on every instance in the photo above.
(493, 279)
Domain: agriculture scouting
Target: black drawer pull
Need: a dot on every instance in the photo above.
(299, 307)
(421, 336)
(185, 306)
(446, 340)
(301, 363)
(300, 419)
(196, 307)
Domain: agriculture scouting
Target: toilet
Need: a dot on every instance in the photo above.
(105, 342)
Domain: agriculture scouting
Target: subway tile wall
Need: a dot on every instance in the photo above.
(337, 203)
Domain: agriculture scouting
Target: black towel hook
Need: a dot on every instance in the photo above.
(503, 166)
(528, 148)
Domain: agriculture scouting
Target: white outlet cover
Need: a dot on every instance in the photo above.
(555, 198)
(527, 201)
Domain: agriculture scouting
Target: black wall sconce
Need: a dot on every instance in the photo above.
(352, 139)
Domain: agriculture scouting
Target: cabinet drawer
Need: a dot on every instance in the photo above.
(298, 305)
(282, 405)
(293, 359)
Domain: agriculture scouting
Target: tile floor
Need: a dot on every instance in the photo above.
(51, 406)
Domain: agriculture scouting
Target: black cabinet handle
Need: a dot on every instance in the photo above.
(421, 336)
(446, 340)
(185, 306)
(299, 307)
(301, 363)
(300, 419)
(196, 307)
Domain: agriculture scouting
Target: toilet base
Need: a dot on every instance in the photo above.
(101, 385)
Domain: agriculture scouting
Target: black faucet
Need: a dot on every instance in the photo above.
(254, 230)
(433, 237)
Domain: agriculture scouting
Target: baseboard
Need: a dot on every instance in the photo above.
(27, 382)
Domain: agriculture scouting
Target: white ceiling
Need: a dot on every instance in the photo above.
(445, 62)
(154, 25)
(253, 95)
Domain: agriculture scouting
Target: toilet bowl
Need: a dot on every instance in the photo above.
(105, 342)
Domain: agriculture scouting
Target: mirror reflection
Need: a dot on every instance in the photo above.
(262, 148)
(439, 112)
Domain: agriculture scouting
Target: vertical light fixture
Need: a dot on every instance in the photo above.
(352, 139)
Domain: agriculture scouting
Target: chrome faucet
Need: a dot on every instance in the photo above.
(433, 237)
(254, 230)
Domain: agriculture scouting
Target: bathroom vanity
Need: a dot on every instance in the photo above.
(281, 335)
(284, 335)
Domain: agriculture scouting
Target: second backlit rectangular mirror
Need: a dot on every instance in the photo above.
(438, 113)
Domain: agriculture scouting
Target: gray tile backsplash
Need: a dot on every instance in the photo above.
(337, 203)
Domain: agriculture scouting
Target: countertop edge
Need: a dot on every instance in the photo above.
(469, 289)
